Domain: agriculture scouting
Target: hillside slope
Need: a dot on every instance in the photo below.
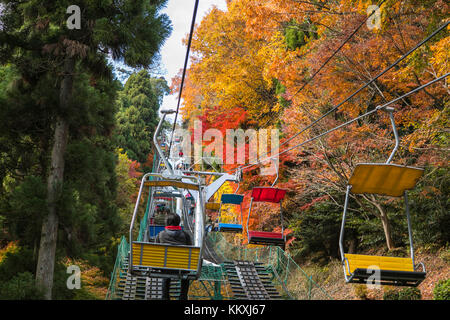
(331, 278)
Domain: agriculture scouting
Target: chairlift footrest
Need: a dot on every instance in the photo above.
(387, 277)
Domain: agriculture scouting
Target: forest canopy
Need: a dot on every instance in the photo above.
(286, 64)
(75, 139)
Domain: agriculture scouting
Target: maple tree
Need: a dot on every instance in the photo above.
(227, 70)
(276, 63)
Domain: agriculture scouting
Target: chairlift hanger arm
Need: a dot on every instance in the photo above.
(155, 140)
(391, 110)
(212, 188)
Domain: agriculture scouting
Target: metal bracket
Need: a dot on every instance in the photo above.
(391, 110)
(276, 179)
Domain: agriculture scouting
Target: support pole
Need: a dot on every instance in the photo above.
(409, 228)
(341, 236)
(248, 216)
(344, 216)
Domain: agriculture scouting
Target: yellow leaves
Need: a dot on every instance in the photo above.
(231, 67)
(241, 53)
(440, 56)
(427, 127)
(270, 53)
(11, 247)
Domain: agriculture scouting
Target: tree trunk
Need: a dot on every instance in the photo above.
(47, 249)
(386, 226)
(352, 245)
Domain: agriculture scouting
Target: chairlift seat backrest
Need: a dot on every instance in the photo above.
(212, 205)
(165, 256)
(231, 198)
(268, 194)
(384, 179)
(172, 183)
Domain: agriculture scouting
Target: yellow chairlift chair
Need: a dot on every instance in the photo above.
(390, 180)
(164, 260)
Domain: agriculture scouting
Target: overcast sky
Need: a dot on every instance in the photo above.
(173, 52)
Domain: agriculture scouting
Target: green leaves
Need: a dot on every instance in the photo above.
(133, 31)
(138, 104)
(20, 287)
(297, 35)
(42, 51)
(442, 290)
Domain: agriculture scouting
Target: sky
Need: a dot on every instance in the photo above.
(173, 52)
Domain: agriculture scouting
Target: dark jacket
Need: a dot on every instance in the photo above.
(176, 237)
(160, 219)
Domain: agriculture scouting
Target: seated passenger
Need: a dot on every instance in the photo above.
(160, 217)
(173, 234)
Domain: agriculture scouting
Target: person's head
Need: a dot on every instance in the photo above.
(172, 219)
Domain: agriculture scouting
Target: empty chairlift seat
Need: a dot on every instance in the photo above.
(389, 180)
(154, 229)
(270, 195)
(235, 199)
(391, 270)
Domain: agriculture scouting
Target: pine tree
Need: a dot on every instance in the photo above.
(35, 37)
(137, 118)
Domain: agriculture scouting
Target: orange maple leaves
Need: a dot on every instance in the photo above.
(247, 72)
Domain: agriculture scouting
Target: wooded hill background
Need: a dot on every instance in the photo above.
(74, 140)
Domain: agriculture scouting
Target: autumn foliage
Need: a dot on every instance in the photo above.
(260, 64)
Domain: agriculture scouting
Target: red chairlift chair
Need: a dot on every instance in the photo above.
(270, 195)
